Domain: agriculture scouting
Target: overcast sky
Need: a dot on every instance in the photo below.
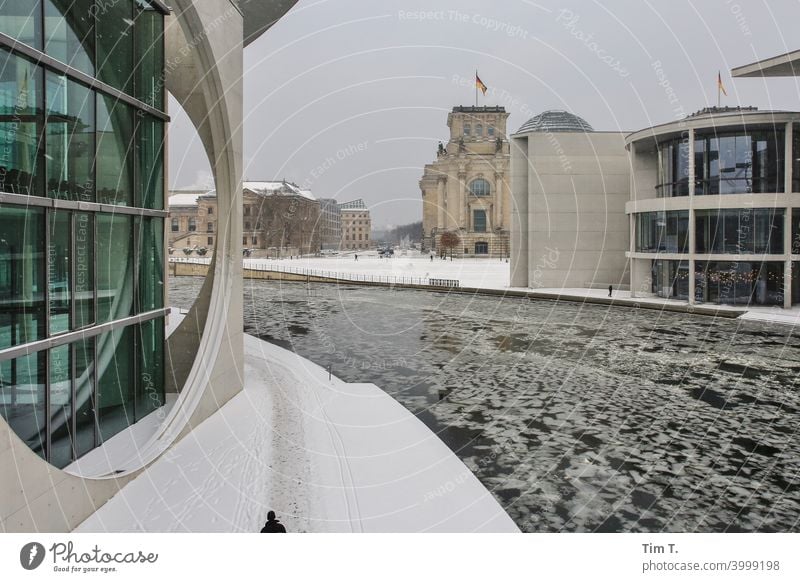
(350, 97)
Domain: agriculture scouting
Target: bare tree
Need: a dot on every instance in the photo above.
(449, 241)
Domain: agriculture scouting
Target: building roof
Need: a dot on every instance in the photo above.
(556, 120)
(786, 65)
(357, 204)
(479, 109)
(185, 197)
(281, 188)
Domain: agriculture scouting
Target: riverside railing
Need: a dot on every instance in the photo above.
(255, 265)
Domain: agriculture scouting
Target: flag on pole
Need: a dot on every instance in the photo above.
(479, 84)
(720, 86)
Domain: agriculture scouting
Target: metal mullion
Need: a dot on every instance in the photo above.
(73, 423)
(72, 278)
(46, 402)
(94, 268)
(47, 213)
(95, 394)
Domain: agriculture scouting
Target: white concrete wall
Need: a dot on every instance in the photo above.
(577, 188)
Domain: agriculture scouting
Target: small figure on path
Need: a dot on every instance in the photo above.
(356, 257)
(610, 289)
(273, 525)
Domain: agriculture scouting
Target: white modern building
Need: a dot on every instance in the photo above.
(569, 187)
(715, 208)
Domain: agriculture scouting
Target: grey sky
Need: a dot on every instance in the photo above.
(350, 97)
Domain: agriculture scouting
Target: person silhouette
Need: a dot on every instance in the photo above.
(273, 525)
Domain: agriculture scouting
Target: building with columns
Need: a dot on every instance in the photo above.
(466, 189)
(712, 209)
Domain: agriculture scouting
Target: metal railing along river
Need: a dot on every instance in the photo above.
(255, 265)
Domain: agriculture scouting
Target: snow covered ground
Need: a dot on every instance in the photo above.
(482, 273)
(327, 456)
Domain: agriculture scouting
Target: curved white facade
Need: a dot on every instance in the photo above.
(715, 206)
(204, 43)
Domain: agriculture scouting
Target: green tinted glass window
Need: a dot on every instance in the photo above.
(23, 388)
(114, 249)
(22, 275)
(84, 397)
(115, 152)
(151, 264)
(115, 36)
(150, 387)
(22, 20)
(150, 160)
(20, 125)
(70, 139)
(59, 270)
(84, 269)
(60, 372)
(149, 55)
(115, 389)
(69, 32)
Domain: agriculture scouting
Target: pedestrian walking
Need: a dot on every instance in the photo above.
(273, 525)
(610, 289)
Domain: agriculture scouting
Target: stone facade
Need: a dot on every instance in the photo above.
(278, 219)
(330, 224)
(356, 225)
(466, 189)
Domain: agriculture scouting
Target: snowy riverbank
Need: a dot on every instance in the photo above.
(326, 455)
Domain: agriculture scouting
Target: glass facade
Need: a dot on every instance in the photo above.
(662, 232)
(673, 168)
(739, 162)
(739, 231)
(739, 282)
(67, 264)
(670, 279)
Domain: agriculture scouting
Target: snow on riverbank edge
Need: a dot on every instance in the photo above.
(326, 455)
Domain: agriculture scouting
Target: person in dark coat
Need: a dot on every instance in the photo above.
(610, 289)
(273, 525)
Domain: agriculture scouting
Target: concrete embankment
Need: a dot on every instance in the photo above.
(180, 269)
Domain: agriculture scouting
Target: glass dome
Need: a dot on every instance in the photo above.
(555, 120)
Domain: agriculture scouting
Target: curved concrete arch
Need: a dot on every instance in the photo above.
(204, 72)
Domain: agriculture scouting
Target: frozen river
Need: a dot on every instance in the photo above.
(577, 418)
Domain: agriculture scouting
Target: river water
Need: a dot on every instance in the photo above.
(576, 417)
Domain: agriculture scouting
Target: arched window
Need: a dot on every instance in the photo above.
(479, 187)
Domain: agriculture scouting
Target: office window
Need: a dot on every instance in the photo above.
(466, 129)
(175, 225)
(115, 152)
(70, 139)
(69, 32)
(22, 20)
(192, 224)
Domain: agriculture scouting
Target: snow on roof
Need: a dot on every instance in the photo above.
(357, 204)
(277, 188)
(185, 197)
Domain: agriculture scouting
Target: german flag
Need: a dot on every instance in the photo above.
(720, 86)
(479, 84)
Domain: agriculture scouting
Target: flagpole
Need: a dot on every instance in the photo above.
(476, 87)
(719, 87)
